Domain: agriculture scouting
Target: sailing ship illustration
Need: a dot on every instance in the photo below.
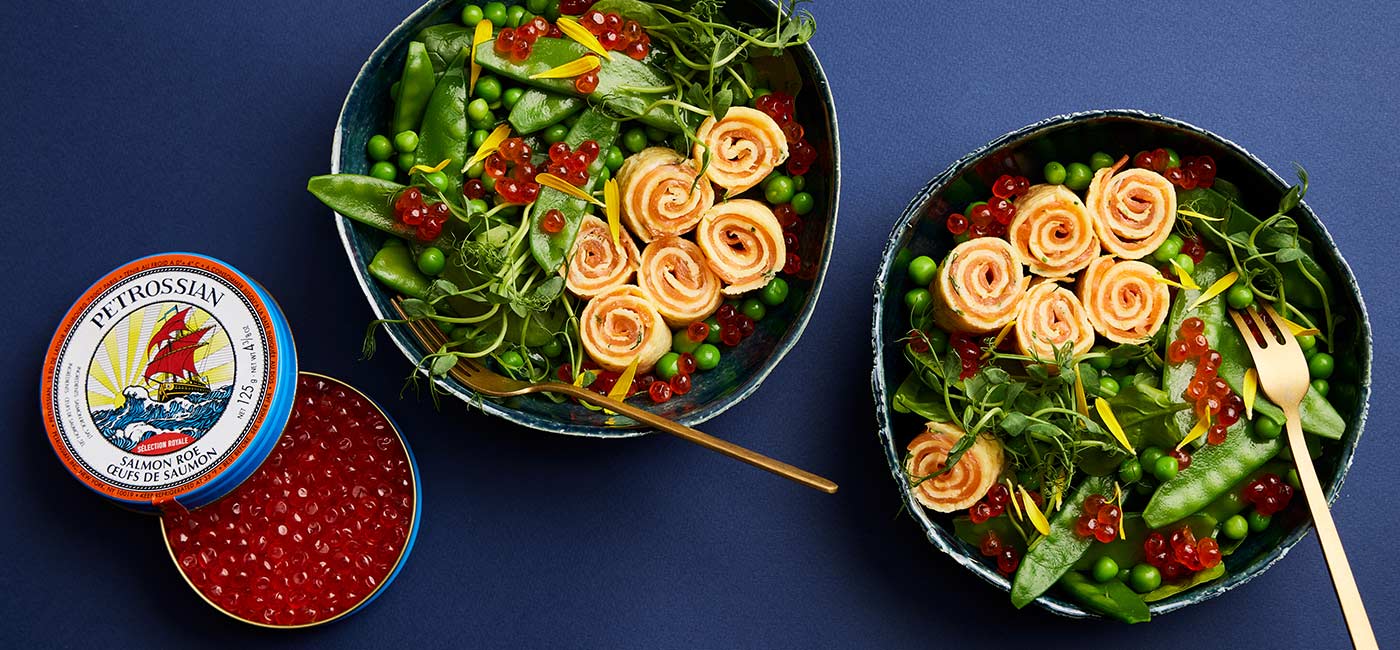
(171, 370)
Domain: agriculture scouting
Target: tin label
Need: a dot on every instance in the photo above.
(159, 377)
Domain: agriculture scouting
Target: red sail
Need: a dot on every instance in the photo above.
(177, 358)
(175, 324)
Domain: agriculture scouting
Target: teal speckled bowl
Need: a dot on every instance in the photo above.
(742, 368)
(1074, 137)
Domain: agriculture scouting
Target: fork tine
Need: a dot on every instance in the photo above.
(1244, 332)
(1284, 332)
(1266, 332)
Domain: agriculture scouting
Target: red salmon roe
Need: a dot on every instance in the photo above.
(1099, 519)
(686, 363)
(697, 331)
(1008, 561)
(587, 82)
(991, 545)
(317, 528)
(957, 224)
(680, 384)
(1268, 494)
(660, 391)
(552, 222)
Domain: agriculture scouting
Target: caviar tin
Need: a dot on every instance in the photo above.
(170, 382)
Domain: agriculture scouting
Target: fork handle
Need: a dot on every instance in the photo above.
(700, 438)
(1342, 580)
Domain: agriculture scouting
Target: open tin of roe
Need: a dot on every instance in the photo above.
(286, 499)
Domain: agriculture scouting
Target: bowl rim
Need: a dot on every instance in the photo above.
(945, 540)
(407, 344)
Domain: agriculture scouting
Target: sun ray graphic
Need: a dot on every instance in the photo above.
(122, 360)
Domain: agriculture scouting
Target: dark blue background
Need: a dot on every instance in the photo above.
(193, 125)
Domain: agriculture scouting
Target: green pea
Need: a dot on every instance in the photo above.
(1235, 527)
(614, 158)
(918, 299)
(552, 349)
(1164, 469)
(551, 11)
(1321, 366)
(510, 96)
(476, 170)
(1185, 263)
(1311, 352)
(1307, 341)
(1258, 522)
(1173, 160)
(436, 179)
(431, 261)
(1130, 471)
(379, 148)
(536, 6)
(760, 92)
(680, 342)
(477, 206)
(556, 133)
(1267, 428)
(753, 308)
(1149, 457)
(495, 12)
(714, 336)
(1169, 249)
(775, 292)
(1055, 173)
(512, 359)
(666, 367)
(478, 110)
(471, 15)
(406, 141)
(1100, 160)
(1321, 386)
(1103, 362)
(922, 270)
(635, 139)
(514, 15)
(1144, 578)
(1240, 296)
(799, 182)
(603, 175)
(656, 135)
(802, 202)
(1105, 569)
(478, 137)
(488, 88)
(1292, 479)
(778, 190)
(384, 171)
(1108, 386)
(937, 339)
(406, 162)
(706, 357)
(1077, 176)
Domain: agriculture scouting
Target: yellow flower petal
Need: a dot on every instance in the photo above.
(1033, 513)
(578, 381)
(1186, 280)
(490, 145)
(1118, 499)
(428, 170)
(573, 30)
(612, 197)
(555, 183)
(1215, 289)
(1079, 399)
(1299, 330)
(1202, 425)
(1015, 503)
(1193, 213)
(1251, 390)
(1110, 421)
(482, 35)
(1171, 283)
(1001, 336)
(624, 382)
(569, 70)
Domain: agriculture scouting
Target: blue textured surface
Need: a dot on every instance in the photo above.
(168, 126)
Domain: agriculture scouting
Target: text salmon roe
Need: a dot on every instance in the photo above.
(317, 528)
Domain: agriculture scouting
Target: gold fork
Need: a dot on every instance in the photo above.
(486, 382)
(1283, 374)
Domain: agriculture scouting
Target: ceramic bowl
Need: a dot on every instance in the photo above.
(1068, 138)
(367, 109)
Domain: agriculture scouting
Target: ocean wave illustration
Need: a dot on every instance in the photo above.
(141, 417)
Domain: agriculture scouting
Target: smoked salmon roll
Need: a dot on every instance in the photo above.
(1125, 300)
(1052, 232)
(596, 264)
(743, 244)
(676, 278)
(1050, 317)
(962, 485)
(744, 148)
(660, 194)
(979, 288)
(619, 325)
(1133, 211)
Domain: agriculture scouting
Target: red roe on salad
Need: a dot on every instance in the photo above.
(1214, 401)
(317, 529)
(1101, 519)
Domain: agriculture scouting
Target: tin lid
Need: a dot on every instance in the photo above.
(170, 379)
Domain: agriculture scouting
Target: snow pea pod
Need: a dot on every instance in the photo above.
(1112, 598)
(415, 88)
(444, 133)
(624, 84)
(395, 267)
(537, 109)
(443, 42)
(365, 199)
(1214, 470)
(1052, 555)
(552, 249)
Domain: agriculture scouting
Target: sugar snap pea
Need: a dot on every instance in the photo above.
(537, 109)
(444, 133)
(415, 88)
(443, 42)
(365, 199)
(397, 269)
(552, 249)
(1052, 555)
(1112, 598)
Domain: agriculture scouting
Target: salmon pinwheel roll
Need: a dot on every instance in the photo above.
(1125, 300)
(743, 244)
(979, 288)
(1133, 211)
(1051, 316)
(596, 264)
(962, 485)
(744, 147)
(676, 278)
(620, 325)
(660, 195)
(1052, 232)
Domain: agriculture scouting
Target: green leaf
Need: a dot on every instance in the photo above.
(1142, 410)
(914, 397)
(443, 364)
(1014, 423)
(416, 309)
(723, 100)
(546, 292)
(1290, 254)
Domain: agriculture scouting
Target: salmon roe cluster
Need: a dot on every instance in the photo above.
(992, 217)
(320, 525)
(1007, 557)
(1214, 401)
(617, 34)
(428, 219)
(1268, 494)
(1192, 171)
(519, 42)
(1100, 519)
(1179, 554)
(510, 167)
(782, 107)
